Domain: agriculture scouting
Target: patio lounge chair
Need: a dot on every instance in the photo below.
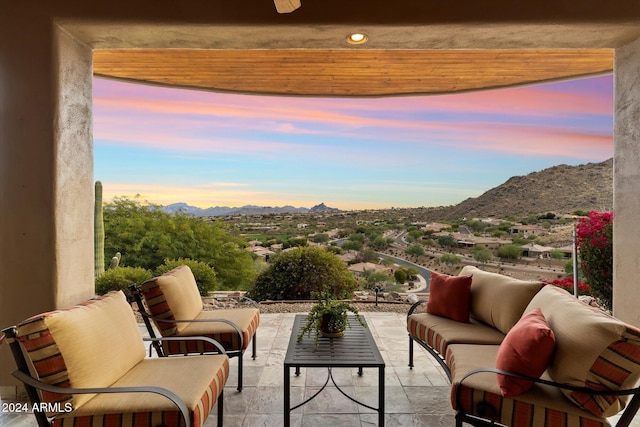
(176, 309)
(86, 366)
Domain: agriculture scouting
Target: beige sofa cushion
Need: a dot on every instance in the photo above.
(88, 345)
(592, 349)
(499, 300)
(196, 380)
(439, 332)
(173, 296)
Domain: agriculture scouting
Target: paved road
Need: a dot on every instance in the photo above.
(425, 273)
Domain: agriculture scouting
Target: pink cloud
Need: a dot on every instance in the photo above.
(542, 141)
(194, 121)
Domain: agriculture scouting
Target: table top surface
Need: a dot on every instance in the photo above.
(356, 348)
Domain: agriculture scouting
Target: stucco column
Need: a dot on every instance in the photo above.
(46, 170)
(626, 183)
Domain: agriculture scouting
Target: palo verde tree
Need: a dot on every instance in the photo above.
(146, 236)
(447, 241)
(416, 250)
(511, 251)
(482, 254)
(450, 259)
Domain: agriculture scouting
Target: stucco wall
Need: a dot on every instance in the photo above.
(73, 192)
(46, 171)
(626, 182)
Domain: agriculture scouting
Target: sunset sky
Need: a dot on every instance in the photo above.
(213, 149)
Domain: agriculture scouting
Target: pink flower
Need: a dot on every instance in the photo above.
(594, 238)
(567, 284)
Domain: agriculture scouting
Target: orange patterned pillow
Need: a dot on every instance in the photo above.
(526, 350)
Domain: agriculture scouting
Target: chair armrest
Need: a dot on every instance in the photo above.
(228, 322)
(415, 306)
(211, 341)
(29, 380)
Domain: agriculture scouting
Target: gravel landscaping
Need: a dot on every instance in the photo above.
(363, 307)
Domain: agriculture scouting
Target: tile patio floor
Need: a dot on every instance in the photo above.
(417, 397)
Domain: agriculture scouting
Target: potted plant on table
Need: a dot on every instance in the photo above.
(328, 318)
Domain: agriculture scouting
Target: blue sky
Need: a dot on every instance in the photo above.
(213, 149)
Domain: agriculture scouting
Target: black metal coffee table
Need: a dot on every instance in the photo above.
(356, 349)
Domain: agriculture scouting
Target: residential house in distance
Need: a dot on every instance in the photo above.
(255, 247)
(532, 250)
(492, 221)
(528, 230)
(488, 242)
(361, 267)
(468, 240)
(436, 227)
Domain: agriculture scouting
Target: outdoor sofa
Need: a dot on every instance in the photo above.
(86, 366)
(521, 353)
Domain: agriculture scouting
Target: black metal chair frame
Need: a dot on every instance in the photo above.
(32, 384)
(488, 421)
(147, 318)
(437, 356)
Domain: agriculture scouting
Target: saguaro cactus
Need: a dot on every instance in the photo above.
(98, 231)
(115, 261)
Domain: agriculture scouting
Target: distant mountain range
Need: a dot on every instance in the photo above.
(558, 189)
(244, 210)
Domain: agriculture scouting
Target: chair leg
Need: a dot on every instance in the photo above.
(410, 352)
(240, 356)
(253, 347)
(220, 408)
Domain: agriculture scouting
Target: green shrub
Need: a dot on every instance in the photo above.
(450, 259)
(511, 251)
(204, 274)
(120, 278)
(299, 272)
(400, 275)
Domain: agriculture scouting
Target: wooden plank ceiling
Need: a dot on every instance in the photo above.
(349, 72)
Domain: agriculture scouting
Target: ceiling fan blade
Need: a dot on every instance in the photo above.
(286, 6)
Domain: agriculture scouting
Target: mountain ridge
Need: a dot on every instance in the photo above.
(558, 189)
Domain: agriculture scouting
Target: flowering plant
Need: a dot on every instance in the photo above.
(567, 284)
(595, 247)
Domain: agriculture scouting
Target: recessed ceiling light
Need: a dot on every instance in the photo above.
(357, 38)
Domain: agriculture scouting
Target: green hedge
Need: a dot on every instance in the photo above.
(204, 274)
(120, 278)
